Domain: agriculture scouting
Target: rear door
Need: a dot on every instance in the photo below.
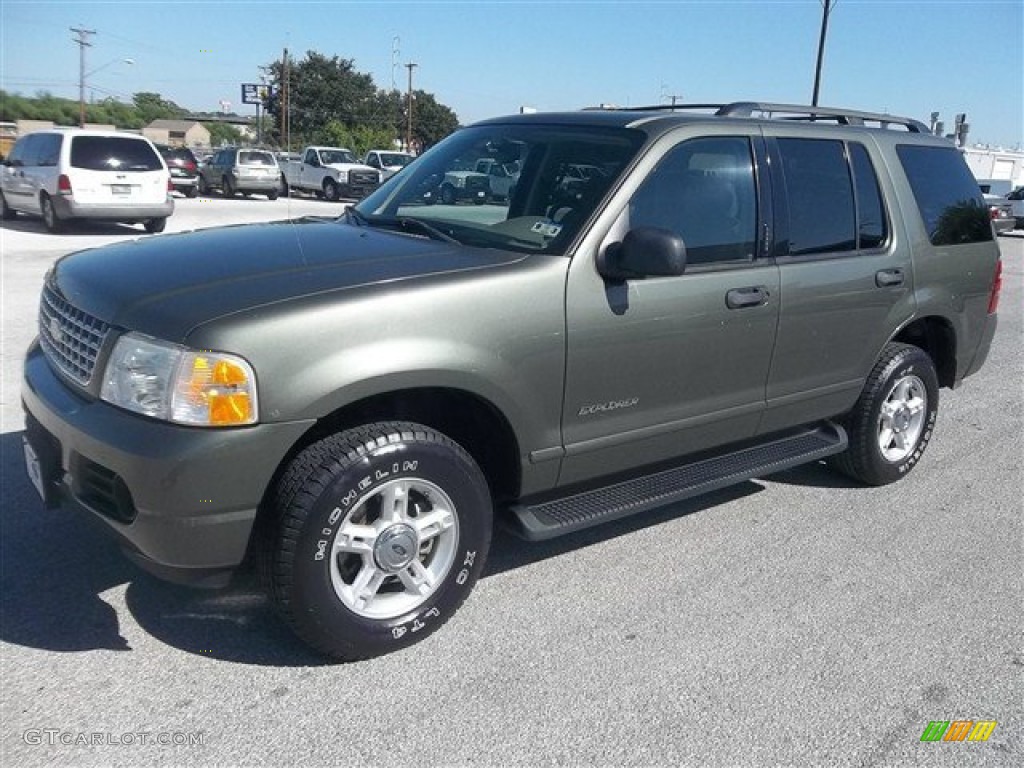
(17, 187)
(116, 170)
(845, 269)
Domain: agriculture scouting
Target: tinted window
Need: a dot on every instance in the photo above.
(820, 193)
(947, 195)
(113, 153)
(256, 158)
(703, 190)
(872, 226)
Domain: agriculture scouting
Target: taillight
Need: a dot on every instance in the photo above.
(993, 213)
(63, 185)
(189, 165)
(997, 286)
(170, 185)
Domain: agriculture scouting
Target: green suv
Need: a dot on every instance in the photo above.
(355, 402)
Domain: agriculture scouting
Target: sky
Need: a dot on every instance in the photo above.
(485, 58)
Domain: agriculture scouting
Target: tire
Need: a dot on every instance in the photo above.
(894, 418)
(6, 212)
(204, 188)
(448, 194)
(352, 585)
(153, 226)
(227, 187)
(51, 220)
(189, 191)
(331, 190)
(272, 194)
(284, 185)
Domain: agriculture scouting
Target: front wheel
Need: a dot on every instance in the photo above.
(377, 536)
(5, 210)
(893, 420)
(332, 191)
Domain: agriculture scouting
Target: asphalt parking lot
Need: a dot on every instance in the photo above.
(795, 620)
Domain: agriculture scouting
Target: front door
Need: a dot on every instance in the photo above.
(665, 366)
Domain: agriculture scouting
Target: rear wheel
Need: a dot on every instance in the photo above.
(272, 194)
(204, 188)
(51, 220)
(154, 226)
(189, 191)
(892, 422)
(378, 535)
(227, 187)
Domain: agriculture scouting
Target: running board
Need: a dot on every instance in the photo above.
(567, 514)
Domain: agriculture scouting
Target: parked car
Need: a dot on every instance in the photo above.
(355, 403)
(238, 170)
(1001, 211)
(1016, 198)
(70, 174)
(183, 167)
(387, 161)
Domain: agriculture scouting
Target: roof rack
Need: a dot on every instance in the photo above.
(793, 112)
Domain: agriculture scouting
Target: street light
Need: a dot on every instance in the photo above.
(81, 82)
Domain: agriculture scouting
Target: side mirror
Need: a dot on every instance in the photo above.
(643, 252)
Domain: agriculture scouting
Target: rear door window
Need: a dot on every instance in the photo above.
(947, 195)
(113, 153)
(820, 194)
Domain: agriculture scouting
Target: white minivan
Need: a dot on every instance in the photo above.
(71, 173)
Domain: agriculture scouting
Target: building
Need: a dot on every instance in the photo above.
(1001, 169)
(177, 133)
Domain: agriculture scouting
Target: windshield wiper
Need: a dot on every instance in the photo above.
(407, 223)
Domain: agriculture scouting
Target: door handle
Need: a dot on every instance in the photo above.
(752, 296)
(889, 278)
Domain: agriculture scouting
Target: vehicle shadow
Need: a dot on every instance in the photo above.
(57, 565)
(79, 227)
(817, 474)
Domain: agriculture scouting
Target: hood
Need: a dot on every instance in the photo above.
(165, 286)
(350, 167)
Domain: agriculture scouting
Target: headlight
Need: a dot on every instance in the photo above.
(343, 177)
(170, 382)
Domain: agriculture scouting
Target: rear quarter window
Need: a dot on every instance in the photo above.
(113, 153)
(256, 158)
(947, 195)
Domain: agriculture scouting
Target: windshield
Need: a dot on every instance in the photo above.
(332, 156)
(538, 204)
(391, 159)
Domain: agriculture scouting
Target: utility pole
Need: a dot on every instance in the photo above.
(283, 103)
(83, 42)
(408, 129)
(827, 6)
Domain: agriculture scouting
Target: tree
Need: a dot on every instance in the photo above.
(223, 134)
(431, 120)
(152, 106)
(327, 97)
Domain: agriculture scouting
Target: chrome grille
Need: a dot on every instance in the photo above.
(363, 177)
(70, 337)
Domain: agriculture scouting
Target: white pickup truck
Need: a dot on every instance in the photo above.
(333, 172)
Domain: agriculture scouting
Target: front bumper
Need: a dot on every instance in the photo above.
(181, 499)
(67, 208)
